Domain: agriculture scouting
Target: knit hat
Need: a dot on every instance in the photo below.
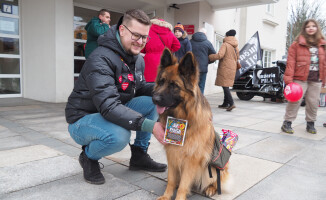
(230, 33)
(179, 27)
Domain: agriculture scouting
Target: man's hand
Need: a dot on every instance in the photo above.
(158, 132)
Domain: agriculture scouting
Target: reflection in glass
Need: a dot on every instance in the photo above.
(9, 86)
(80, 32)
(9, 25)
(78, 66)
(9, 45)
(9, 66)
(79, 49)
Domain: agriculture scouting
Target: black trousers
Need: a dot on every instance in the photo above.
(228, 100)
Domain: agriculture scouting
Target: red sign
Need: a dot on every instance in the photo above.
(190, 29)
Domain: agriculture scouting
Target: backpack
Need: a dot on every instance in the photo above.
(221, 153)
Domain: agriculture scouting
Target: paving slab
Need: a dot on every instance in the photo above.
(123, 172)
(245, 172)
(289, 183)
(26, 154)
(42, 120)
(277, 148)
(139, 195)
(75, 188)
(50, 126)
(22, 176)
(242, 121)
(4, 132)
(248, 137)
(13, 142)
(20, 108)
(313, 158)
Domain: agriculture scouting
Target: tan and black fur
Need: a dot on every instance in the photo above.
(177, 94)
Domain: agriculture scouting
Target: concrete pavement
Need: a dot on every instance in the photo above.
(38, 159)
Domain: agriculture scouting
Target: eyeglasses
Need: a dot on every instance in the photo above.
(136, 36)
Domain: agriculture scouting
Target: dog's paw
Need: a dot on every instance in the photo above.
(163, 198)
(210, 191)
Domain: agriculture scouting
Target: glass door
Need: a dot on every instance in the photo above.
(10, 59)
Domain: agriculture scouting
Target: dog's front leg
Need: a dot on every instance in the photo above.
(172, 183)
(188, 174)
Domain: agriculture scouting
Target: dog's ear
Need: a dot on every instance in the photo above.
(188, 66)
(166, 58)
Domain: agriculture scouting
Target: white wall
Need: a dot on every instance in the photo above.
(47, 49)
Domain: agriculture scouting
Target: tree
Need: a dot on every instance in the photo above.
(299, 12)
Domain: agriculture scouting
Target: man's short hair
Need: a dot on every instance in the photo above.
(103, 11)
(136, 14)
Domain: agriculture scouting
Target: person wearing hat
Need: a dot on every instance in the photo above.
(182, 36)
(161, 37)
(202, 48)
(227, 67)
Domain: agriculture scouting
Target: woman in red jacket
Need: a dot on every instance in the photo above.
(306, 65)
(161, 36)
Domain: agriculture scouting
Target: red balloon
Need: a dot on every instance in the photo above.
(293, 92)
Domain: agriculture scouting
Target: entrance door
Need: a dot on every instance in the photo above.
(10, 59)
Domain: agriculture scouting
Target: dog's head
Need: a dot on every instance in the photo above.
(175, 82)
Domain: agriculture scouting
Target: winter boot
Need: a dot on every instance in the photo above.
(286, 127)
(311, 128)
(223, 106)
(140, 160)
(230, 108)
(91, 168)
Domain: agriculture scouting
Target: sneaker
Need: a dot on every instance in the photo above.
(91, 169)
(230, 108)
(140, 160)
(311, 128)
(286, 127)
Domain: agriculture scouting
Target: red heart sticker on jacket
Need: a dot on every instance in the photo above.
(120, 79)
(130, 77)
(124, 86)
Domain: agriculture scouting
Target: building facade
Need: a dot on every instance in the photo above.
(41, 41)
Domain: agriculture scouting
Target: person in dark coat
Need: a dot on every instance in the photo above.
(111, 98)
(202, 48)
(182, 36)
(96, 27)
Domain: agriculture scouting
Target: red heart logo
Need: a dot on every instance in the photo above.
(124, 86)
(130, 77)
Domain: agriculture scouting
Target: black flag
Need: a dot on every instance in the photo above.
(250, 54)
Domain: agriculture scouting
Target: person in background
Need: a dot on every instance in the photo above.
(306, 66)
(161, 37)
(111, 98)
(96, 27)
(202, 48)
(182, 36)
(227, 67)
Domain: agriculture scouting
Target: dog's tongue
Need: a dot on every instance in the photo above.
(160, 109)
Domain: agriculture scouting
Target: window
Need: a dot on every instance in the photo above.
(10, 59)
(267, 58)
(270, 9)
(81, 17)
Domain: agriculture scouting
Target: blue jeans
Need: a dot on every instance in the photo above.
(202, 81)
(103, 138)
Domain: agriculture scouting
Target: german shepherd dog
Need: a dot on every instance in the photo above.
(177, 94)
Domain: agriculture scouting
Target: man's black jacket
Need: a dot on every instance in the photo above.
(110, 77)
